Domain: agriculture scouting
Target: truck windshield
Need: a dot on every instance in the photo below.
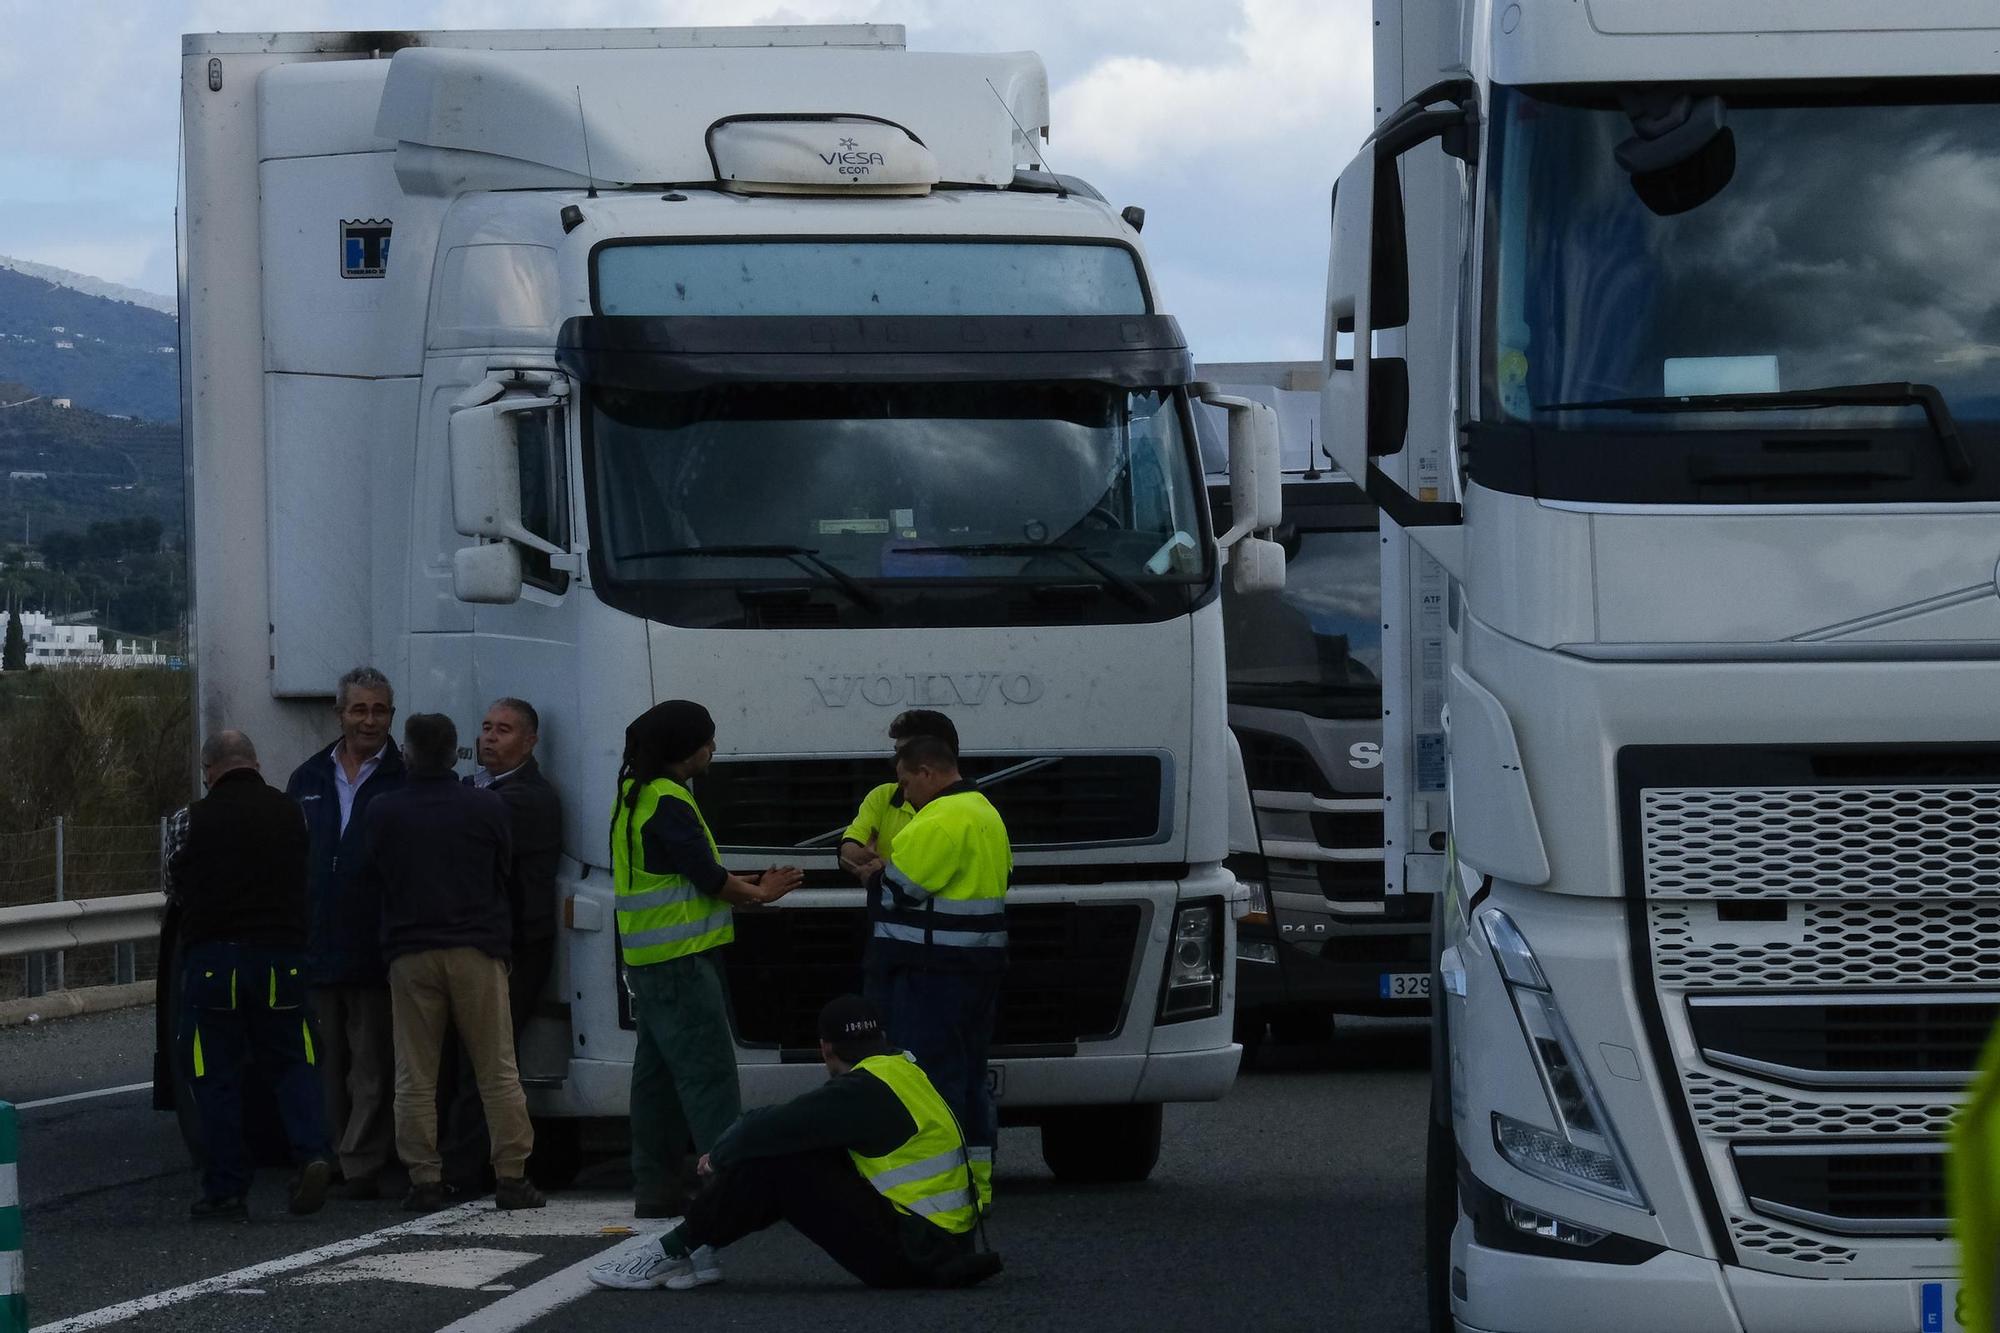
(881, 504)
(1316, 647)
(1832, 247)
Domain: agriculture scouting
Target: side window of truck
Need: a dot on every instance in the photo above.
(544, 492)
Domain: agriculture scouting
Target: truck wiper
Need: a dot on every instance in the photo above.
(803, 556)
(1957, 461)
(1128, 591)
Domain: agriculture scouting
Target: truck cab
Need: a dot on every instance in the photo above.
(581, 366)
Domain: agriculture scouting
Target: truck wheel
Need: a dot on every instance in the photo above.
(1302, 1027)
(1440, 1219)
(558, 1154)
(1102, 1144)
(1249, 1034)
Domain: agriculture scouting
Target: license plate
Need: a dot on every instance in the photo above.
(1406, 986)
(1937, 1308)
(996, 1081)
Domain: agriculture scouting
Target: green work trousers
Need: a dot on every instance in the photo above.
(683, 1074)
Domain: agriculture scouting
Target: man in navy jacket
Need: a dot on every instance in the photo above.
(350, 987)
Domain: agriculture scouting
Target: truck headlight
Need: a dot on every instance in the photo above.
(1194, 978)
(1582, 1151)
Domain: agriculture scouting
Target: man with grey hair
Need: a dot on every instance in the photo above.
(350, 983)
(240, 904)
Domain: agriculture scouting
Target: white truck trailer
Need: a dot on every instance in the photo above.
(765, 367)
(1666, 331)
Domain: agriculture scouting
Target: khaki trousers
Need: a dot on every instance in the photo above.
(432, 992)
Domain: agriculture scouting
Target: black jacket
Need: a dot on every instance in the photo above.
(240, 872)
(343, 947)
(440, 858)
(534, 812)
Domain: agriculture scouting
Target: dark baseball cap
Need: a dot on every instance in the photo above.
(849, 1018)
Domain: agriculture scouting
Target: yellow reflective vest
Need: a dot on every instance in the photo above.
(883, 814)
(660, 917)
(1973, 1180)
(941, 902)
(927, 1176)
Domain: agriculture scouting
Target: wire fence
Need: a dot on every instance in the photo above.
(65, 862)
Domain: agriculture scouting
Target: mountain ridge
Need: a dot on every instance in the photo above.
(92, 286)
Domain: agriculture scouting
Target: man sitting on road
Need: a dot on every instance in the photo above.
(239, 876)
(870, 1167)
(441, 858)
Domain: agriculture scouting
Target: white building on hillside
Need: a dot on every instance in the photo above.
(51, 644)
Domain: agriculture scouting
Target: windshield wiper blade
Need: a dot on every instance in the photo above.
(1957, 460)
(1128, 591)
(804, 556)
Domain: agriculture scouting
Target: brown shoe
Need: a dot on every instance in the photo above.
(308, 1190)
(517, 1192)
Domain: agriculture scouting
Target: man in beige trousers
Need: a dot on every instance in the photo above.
(440, 856)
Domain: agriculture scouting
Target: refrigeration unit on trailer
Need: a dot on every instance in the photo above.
(1671, 345)
(767, 367)
(1305, 666)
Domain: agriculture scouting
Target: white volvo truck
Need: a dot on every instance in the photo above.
(763, 367)
(1667, 332)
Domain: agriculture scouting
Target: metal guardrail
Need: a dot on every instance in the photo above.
(36, 928)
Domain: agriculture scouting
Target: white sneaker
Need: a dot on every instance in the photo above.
(697, 1270)
(652, 1267)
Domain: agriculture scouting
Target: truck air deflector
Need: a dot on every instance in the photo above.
(690, 352)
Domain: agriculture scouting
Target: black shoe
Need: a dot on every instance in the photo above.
(308, 1190)
(219, 1210)
(517, 1192)
(426, 1197)
(361, 1188)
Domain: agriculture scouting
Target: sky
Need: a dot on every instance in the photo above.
(1226, 120)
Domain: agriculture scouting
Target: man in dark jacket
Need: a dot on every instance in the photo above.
(239, 873)
(507, 740)
(870, 1167)
(350, 992)
(440, 858)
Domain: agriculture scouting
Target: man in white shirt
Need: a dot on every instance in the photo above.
(350, 987)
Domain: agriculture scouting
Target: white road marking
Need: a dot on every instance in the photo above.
(565, 1215)
(340, 1249)
(82, 1096)
(553, 1292)
(465, 1270)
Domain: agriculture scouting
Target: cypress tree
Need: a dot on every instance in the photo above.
(14, 657)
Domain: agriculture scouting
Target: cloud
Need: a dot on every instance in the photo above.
(1227, 119)
(1295, 75)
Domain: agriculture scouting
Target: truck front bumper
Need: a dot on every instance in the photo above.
(1669, 1293)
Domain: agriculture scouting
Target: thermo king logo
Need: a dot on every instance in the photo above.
(364, 248)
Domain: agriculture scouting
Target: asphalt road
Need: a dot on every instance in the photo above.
(1294, 1203)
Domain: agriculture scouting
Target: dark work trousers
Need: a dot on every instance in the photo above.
(945, 1019)
(684, 1089)
(461, 1116)
(824, 1197)
(244, 1008)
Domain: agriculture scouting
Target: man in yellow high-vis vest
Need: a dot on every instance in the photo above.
(938, 937)
(673, 899)
(886, 811)
(870, 1167)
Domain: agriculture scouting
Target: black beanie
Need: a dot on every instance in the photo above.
(675, 730)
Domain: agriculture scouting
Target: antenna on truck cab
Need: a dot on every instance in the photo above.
(1062, 192)
(583, 125)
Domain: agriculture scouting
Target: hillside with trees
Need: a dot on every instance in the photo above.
(112, 356)
(66, 468)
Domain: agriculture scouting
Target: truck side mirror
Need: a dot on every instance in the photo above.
(489, 572)
(1365, 402)
(1256, 476)
(486, 461)
(1256, 566)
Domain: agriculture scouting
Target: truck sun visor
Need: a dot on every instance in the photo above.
(835, 154)
(672, 353)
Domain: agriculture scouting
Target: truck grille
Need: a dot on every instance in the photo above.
(1069, 968)
(1053, 801)
(1823, 934)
